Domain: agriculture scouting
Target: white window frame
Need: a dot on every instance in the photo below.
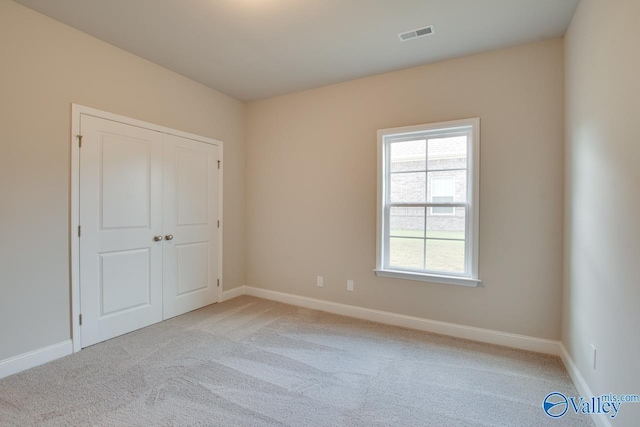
(470, 277)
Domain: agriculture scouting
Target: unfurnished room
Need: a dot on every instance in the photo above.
(320, 213)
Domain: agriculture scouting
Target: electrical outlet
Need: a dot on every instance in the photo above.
(593, 356)
(350, 285)
(320, 281)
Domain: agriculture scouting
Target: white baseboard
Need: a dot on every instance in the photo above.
(34, 358)
(233, 293)
(601, 420)
(506, 339)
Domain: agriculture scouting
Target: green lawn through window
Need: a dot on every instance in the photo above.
(441, 255)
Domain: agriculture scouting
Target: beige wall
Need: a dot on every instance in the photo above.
(44, 67)
(311, 187)
(602, 226)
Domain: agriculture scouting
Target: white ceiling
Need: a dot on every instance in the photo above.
(254, 49)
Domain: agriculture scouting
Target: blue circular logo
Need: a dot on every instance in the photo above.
(555, 405)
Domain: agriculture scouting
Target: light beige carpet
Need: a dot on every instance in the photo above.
(251, 362)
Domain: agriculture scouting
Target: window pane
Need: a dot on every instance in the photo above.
(447, 187)
(406, 253)
(408, 187)
(445, 255)
(446, 226)
(407, 222)
(448, 153)
(409, 155)
(444, 252)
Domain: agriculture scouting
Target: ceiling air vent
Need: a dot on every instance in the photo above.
(414, 34)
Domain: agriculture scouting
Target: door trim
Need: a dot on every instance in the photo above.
(77, 111)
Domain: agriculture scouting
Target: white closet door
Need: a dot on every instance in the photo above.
(121, 170)
(190, 261)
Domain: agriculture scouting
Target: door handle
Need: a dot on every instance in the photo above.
(157, 238)
(168, 237)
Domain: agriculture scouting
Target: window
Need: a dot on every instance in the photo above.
(428, 202)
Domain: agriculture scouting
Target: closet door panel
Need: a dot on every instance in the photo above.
(190, 255)
(120, 215)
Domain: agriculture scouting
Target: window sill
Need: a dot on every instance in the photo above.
(433, 278)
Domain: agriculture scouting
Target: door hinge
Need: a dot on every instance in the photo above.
(218, 223)
(218, 164)
(79, 140)
(218, 282)
(80, 319)
(79, 231)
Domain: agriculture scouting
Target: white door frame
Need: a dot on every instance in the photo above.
(74, 240)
